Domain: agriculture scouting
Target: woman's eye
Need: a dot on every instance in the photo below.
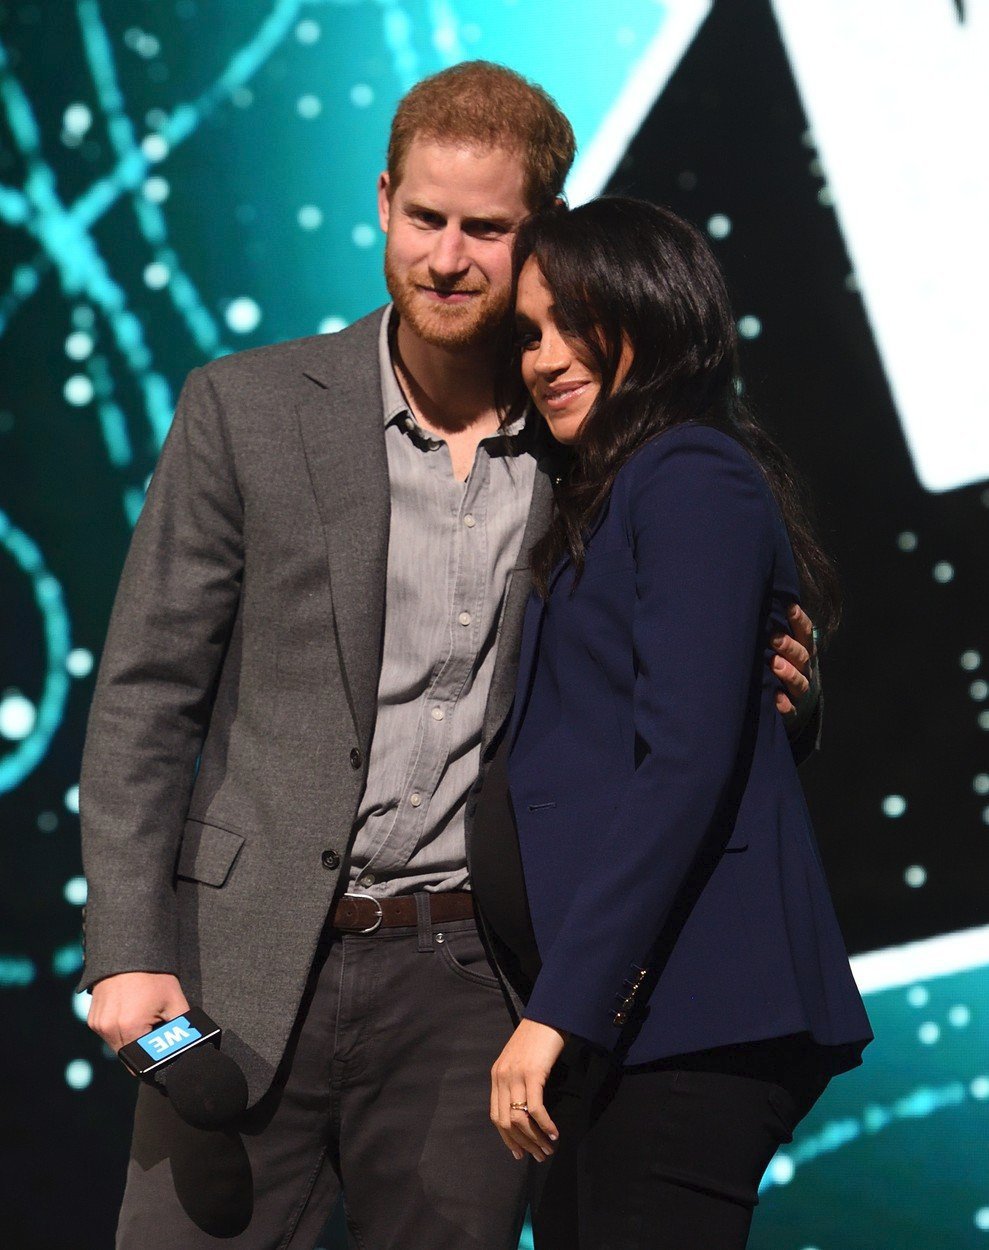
(525, 339)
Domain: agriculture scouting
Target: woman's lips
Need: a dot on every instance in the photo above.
(562, 396)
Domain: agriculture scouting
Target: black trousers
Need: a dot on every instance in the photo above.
(668, 1156)
(383, 1097)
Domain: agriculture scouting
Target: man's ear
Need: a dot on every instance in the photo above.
(384, 200)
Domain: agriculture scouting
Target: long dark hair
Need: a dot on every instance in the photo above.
(624, 271)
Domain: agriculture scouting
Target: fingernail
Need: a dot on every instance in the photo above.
(777, 640)
(518, 1155)
(779, 664)
(554, 1136)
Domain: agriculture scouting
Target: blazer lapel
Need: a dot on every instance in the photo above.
(342, 425)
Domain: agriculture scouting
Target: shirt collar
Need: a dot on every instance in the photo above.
(393, 400)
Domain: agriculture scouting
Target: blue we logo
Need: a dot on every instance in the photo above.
(170, 1038)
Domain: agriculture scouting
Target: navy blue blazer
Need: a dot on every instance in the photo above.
(676, 891)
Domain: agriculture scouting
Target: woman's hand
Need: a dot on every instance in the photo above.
(518, 1077)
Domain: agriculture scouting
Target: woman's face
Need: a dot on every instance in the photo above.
(557, 369)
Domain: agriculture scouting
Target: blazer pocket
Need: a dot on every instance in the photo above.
(207, 853)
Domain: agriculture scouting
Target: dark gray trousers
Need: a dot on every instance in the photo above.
(383, 1096)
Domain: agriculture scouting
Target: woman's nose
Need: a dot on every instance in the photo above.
(552, 356)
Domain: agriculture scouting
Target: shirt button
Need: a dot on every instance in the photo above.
(415, 799)
(437, 713)
(355, 758)
(330, 859)
(469, 520)
(367, 879)
(464, 618)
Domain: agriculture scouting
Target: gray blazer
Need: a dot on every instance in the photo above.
(229, 733)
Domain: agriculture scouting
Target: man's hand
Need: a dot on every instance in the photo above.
(517, 1080)
(791, 664)
(130, 1004)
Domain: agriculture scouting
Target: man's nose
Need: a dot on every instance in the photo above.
(448, 258)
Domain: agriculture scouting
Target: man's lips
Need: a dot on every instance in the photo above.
(562, 394)
(440, 296)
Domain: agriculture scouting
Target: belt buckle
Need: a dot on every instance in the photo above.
(381, 915)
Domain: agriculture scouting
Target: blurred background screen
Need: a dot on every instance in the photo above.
(188, 178)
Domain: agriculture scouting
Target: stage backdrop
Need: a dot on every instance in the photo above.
(179, 180)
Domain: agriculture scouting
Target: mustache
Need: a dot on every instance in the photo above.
(447, 288)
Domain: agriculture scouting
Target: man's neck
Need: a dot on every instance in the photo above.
(451, 391)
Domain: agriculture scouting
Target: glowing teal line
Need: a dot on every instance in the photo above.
(28, 753)
(151, 220)
(74, 253)
(918, 1104)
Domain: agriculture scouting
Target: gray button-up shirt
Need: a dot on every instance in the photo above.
(451, 548)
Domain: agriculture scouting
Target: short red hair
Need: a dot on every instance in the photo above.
(479, 103)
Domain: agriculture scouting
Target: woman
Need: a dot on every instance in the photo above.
(689, 959)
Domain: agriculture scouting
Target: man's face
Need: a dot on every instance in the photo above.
(451, 222)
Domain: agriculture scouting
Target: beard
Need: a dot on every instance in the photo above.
(476, 323)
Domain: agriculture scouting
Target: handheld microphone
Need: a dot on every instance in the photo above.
(182, 1057)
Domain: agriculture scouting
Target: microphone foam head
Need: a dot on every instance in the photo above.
(206, 1087)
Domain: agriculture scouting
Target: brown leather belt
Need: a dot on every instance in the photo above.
(363, 913)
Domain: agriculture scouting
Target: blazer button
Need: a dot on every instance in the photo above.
(355, 758)
(330, 859)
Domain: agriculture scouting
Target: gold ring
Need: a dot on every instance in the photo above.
(519, 1106)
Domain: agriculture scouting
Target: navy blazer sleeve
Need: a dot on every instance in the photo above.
(703, 528)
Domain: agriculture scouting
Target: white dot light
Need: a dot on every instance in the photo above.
(363, 235)
(929, 1032)
(243, 315)
(782, 1169)
(980, 783)
(361, 95)
(907, 541)
(47, 822)
(76, 891)
(78, 390)
(915, 876)
(985, 815)
(309, 106)
(242, 97)
(147, 46)
(970, 661)
(918, 996)
(308, 31)
(72, 800)
(979, 690)
(76, 120)
(78, 1074)
(155, 147)
(982, 1219)
(959, 1016)
(79, 662)
(826, 197)
(943, 571)
(310, 217)
(17, 717)
(719, 226)
(157, 275)
(894, 805)
(332, 325)
(156, 189)
(749, 327)
(984, 719)
(980, 1088)
(79, 345)
(80, 1005)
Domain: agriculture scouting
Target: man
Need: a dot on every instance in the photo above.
(322, 606)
